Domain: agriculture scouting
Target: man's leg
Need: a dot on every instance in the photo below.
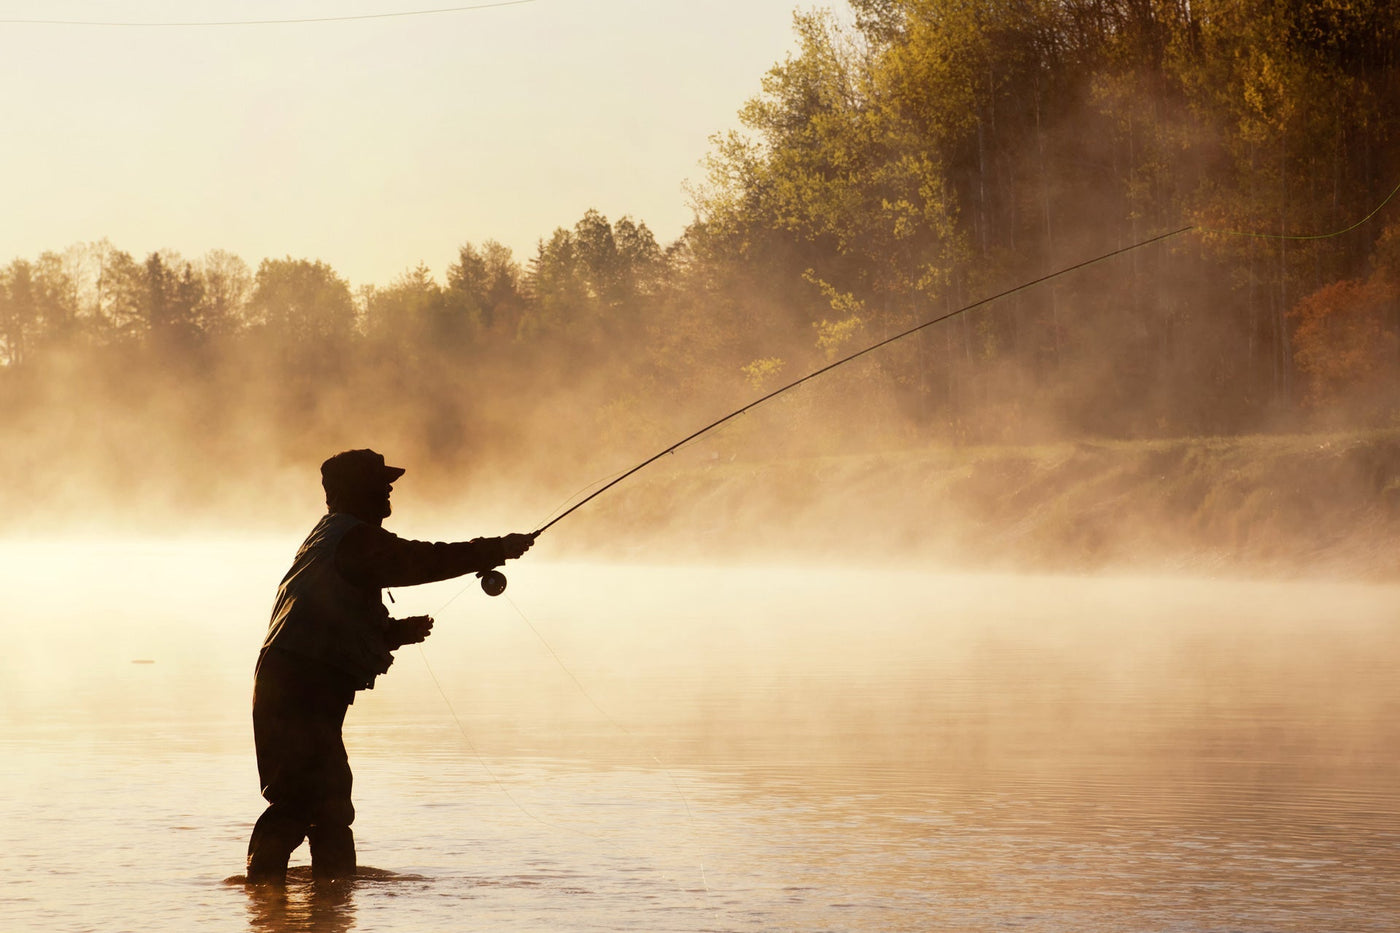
(305, 774)
(332, 842)
(332, 851)
(275, 836)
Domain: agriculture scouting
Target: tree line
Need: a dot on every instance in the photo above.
(904, 160)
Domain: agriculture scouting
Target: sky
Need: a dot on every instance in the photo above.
(371, 144)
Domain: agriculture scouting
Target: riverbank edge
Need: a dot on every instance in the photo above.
(1307, 505)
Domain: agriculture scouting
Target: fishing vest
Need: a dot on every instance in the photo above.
(324, 617)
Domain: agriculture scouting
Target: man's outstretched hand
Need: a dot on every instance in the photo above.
(515, 545)
(410, 631)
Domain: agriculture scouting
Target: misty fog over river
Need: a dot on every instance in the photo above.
(707, 747)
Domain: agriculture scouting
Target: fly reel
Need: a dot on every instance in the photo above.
(493, 582)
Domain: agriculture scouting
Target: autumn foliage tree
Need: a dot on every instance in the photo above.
(1346, 342)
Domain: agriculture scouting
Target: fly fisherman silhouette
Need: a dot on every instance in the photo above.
(331, 636)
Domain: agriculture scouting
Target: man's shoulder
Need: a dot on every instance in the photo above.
(341, 521)
(363, 545)
(362, 532)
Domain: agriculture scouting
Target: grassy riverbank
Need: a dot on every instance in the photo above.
(1298, 504)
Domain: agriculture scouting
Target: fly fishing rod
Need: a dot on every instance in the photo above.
(493, 582)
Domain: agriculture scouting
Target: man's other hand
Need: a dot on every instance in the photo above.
(410, 631)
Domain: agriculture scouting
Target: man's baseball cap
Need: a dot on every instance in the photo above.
(355, 469)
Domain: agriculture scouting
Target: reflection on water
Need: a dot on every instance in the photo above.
(717, 749)
(302, 905)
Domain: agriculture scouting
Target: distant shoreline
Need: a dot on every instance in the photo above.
(1308, 505)
(1323, 505)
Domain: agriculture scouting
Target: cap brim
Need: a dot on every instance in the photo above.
(393, 473)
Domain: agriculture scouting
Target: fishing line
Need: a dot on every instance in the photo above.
(685, 801)
(452, 599)
(482, 761)
(555, 655)
(260, 22)
(589, 697)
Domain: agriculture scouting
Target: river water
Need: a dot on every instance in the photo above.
(721, 749)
